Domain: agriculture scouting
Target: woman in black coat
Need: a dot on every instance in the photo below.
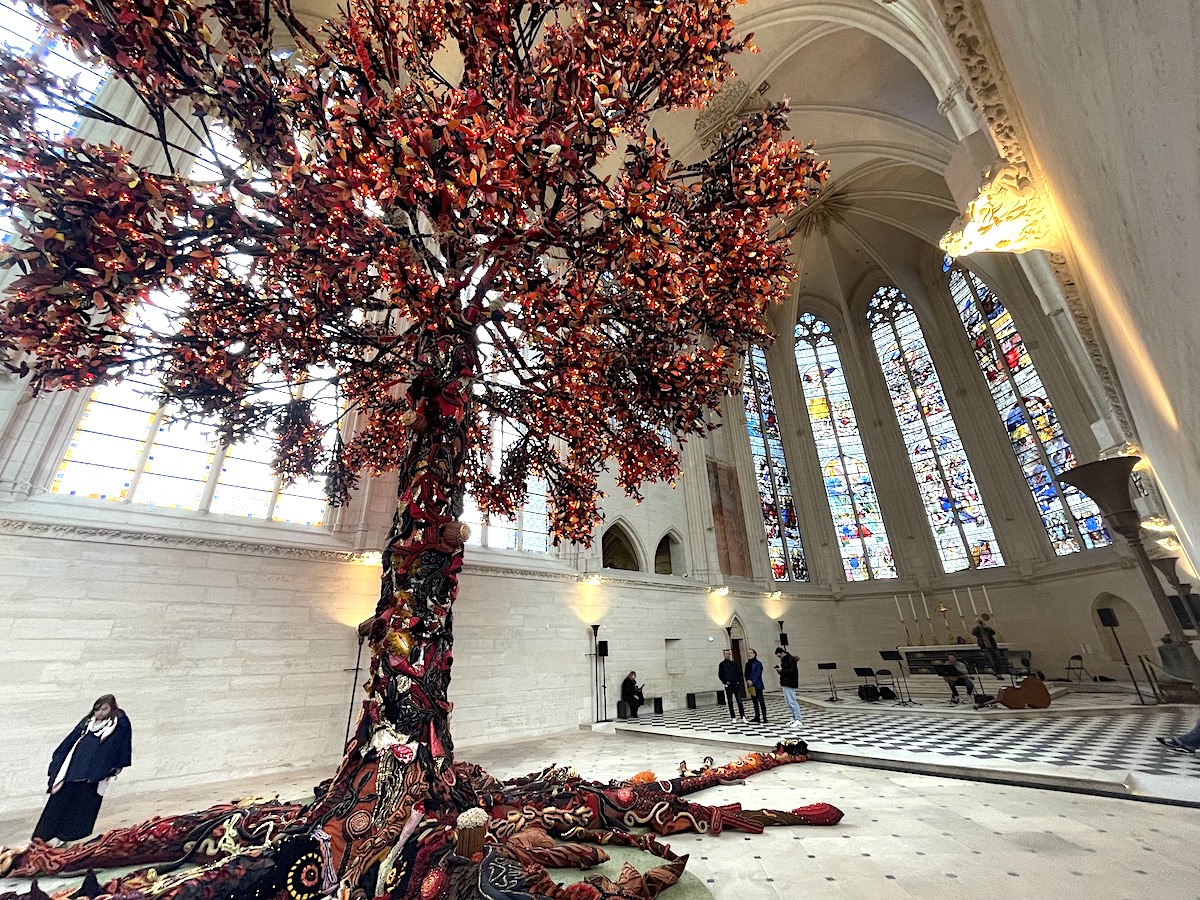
(89, 757)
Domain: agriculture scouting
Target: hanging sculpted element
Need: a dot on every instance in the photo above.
(436, 213)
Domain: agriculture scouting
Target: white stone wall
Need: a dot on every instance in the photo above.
(227, 663)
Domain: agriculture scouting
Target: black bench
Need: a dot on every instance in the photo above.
(655, 703)
(693, 703)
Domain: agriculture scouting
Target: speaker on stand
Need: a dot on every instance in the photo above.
(829, 668)
(1108, 618)
(602, 659)
(905, 698)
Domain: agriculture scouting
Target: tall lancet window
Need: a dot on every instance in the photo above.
(771, 474)
(862, 539)
(956, 514)
(1071, 519)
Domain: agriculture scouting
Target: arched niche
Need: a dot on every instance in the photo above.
(668, 555)
(1135, 638)
(619, 549)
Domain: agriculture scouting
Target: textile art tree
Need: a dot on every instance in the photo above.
(444, 211)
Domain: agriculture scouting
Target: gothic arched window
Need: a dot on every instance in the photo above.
(955, 511)
(1072, 521)
(771, 474)
(861, 537)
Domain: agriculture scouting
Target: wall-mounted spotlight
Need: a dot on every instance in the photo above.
(593, 578)
(722, 591)
(775, 595)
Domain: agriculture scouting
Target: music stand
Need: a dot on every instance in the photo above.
(905, 698)
(865, 673)
(829, 668)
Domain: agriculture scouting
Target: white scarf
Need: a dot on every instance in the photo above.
(102, 728)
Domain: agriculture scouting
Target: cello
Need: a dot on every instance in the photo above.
(1031, 693)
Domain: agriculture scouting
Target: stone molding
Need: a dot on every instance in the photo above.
(733, 101)
(133, 537)
(1093, 341)
(989, 89)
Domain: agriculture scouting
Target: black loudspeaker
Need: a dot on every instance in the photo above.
(783, 639)
(602, 648)
(1108, 617)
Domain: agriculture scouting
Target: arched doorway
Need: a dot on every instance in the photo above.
(738, 646)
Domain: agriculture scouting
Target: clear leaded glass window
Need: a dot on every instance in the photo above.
(21, 35)
(529, 529)
(861, 537)
(129, 448)
(771, 475)
(1072, 521)
(961, 529)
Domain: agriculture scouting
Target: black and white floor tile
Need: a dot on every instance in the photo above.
(1093, 744)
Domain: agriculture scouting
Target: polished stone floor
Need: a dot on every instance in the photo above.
(904, 835)
(1102, 743)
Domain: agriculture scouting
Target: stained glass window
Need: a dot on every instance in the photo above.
(861, 537)
(771, 475)
(957, 517)
(1072, 521)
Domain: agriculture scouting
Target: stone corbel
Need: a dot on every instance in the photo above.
(1009, 215)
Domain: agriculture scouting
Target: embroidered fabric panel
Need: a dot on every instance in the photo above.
(957, 517)
(784, 544)
(1071, 519)
(857, 523)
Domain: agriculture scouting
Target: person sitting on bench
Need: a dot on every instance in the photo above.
(631, 693)
(956, 675)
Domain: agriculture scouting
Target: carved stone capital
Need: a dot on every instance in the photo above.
(1008, 215)
(955, 89)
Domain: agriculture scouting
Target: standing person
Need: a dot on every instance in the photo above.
(728, 672)
(960, 678)
(789, 680)
(82, 767)
(631, 693)
(985, 637)
(754, 684)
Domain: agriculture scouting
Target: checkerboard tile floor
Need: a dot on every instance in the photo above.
(1105, 741)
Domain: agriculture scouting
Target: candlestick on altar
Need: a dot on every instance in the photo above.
(943, 609)
(907, 636)
(920, 633)
(971, 597)
(961, 620)
(988, 600)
